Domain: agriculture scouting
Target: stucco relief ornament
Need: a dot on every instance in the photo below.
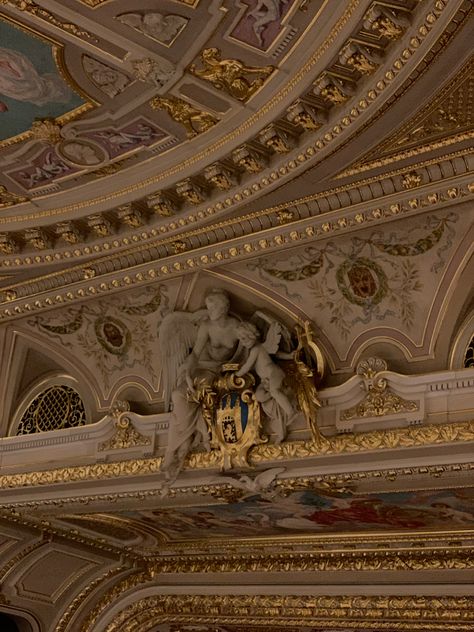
(110, 80)
(163, 28)
(235, 379)
(157, 70)
(125, 435)
(229, 74)
(379, 400)
(193, 120)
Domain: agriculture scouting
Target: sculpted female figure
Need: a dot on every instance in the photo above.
(212, 335)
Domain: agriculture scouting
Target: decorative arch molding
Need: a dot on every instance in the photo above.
(39, 387)
(120, 388)
(25, 621)
(461, 343)
(145, 609)
(16, 345)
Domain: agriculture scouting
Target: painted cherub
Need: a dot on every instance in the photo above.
(270, 374)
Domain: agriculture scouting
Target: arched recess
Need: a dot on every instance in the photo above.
(138, 393)
(29, 364)
(462, 347)
(12, 620)
(41, 387)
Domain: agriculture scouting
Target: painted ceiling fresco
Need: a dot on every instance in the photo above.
(137, 55)
(31, 83)
(301, 513)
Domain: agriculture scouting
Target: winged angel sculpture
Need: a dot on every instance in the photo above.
(196, 348)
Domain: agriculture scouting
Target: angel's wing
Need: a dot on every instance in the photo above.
(177, 336)
(266, 478)
(131, 19)
(175, 21)
(266, 322)
(273, 337)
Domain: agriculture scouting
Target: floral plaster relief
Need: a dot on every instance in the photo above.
(376, 278)
(118, 338)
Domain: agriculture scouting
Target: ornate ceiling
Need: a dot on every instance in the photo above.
(313, 159)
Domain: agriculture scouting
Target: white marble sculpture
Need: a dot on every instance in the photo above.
(269, 391)
(215, 338)
(163, 28)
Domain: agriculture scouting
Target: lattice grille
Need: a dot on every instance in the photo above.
(55, 408)
(469, 355)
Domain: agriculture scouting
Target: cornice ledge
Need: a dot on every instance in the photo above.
(363, 442)
(151, 263)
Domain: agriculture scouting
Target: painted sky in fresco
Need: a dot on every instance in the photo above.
(30, 83)
(306, 512)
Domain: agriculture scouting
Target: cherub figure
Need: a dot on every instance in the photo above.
(270, 374)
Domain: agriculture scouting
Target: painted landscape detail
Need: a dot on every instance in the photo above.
(30, 84)
(308, 512)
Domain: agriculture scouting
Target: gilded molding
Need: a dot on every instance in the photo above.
(415, 559)
(397, 438)
(49, 531)
(68, 615)
(432, 121)
(372, 95)
(35, 10)
(21, 555)
(421, 613)
(7, 198)
(125, 436)
(344, 482)
(379, 400)
(430, 20)
(171, 264)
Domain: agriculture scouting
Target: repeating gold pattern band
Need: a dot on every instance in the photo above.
(375, 440)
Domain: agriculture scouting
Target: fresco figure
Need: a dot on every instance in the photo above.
(264, 13)
(19, 80)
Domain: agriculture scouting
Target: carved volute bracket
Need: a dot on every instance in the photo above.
(379, 400)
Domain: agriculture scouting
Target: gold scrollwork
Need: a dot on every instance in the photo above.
(434, 434)
(10, 199)
(421, 613)
(28, 6)
(193, 120)
(126, 436)
(380, 400)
